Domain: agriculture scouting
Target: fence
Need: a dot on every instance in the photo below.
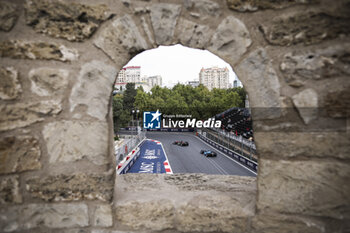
(128, 144)
(241, 159)
(240, 139)
(235, 143)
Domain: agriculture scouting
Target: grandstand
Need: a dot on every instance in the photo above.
(237, 121)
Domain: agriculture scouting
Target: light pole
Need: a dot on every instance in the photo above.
(137, 120)
(132, 129)
(133, 125)
(137, 123)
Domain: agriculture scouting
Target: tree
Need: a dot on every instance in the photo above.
(129, 96)
(120, 115)
(242, 94)
(185, 99)
(142, 100)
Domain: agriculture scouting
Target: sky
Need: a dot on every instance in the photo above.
(177, 63)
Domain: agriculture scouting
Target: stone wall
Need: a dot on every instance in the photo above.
(59, 60)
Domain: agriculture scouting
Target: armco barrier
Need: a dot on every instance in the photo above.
(124, 166)
(172, 130)
(242, 160)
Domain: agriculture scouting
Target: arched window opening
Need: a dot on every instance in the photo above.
(182, 110)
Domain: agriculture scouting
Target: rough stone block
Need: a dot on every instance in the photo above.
(262, 85)
(69, 141)
(23, 114)
(71, 21)
(48, 81)
(193, 35)
(31, 216)
(203, 8)
(73, 187)
(231, 40)
(103, 216)
(306, 102)
(8, 15)
(112, 231)
(164, 19)
(36, 50)
(17, 154)
(9, 190)
(337, 102)
(121, 40)
(185, 203)
(216, 213)
(303, 144)
(70, 230)
(318, 64)
(94, 83)
(156, 215)
(307, 28)
(10, 88)
(255, 5)
(307, 187)
(277, 223)
(147, 30)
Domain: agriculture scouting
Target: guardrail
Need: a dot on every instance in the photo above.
(172, 130)
(242, 160)
(239, 139)
(124, 148)
(124, 166)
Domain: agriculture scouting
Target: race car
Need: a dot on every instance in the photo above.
(180, 143)
(208, 153)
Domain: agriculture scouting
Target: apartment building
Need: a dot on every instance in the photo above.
(132, 74)
(214, 77)
(154, 81)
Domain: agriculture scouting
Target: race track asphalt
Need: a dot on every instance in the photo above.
(189, 160)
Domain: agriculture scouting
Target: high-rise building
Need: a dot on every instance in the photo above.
(154, 81)
(214, 77)
(130, 74)
(237, 83)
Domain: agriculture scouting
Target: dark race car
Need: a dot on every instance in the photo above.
(180, 143)
(208, 153)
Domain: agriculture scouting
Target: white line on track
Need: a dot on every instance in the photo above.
(225, 155)
(161, 144)
(217, 166)
(189, 134)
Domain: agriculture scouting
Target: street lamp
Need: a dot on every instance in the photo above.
(137, 120)
(133, 125)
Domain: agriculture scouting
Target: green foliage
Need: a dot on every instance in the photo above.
(181, 99)
(242, 94)
(122, 106)
(129, 96)
(121, 116)
(185, 99)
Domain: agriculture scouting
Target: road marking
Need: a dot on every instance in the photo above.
(225, 155)
(190, 134)
(167, 166)
(224, 171)
(217, 166)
